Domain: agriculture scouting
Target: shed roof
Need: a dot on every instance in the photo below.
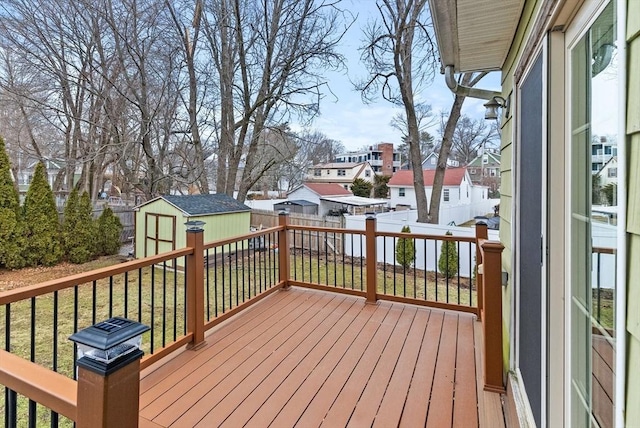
(194, 205)
(452, 177)
(357, 201)
(300, 202)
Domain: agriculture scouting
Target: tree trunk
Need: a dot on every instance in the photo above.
(443, 156)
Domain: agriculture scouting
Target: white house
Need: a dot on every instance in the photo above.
(333, 199)
(460, 201)
(342, 173)
(609, 172)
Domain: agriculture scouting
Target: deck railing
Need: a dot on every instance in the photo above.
(183, 293)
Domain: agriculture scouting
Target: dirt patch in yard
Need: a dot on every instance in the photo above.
(10, 279)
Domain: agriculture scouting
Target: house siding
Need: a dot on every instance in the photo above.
(633, 220)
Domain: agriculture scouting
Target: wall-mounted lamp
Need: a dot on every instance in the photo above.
(492, 106)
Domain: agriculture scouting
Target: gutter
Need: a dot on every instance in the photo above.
(466, 91)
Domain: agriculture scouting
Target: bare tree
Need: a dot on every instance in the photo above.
(189, 34)
(470, 136)
(400, 55)
(267, 57)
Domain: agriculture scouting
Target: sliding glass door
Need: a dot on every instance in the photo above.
(593, 224)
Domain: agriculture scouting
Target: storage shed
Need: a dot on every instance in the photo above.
(300, 206)
(159, 223)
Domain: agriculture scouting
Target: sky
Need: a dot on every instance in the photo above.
(343, 115)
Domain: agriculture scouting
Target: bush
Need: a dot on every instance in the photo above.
(361, 187)
(108, 234)
(79, 231)
(448, 261)
(380, 187)
(42, 229)
(405, 249)
(11, 240)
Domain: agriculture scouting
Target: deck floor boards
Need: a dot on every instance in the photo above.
(309, 358)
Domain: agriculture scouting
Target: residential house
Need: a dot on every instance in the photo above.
(602, 150)
(570, 72)
(431, 162)
(341, 173)
(485, 170)
(333, 199)
(608, 174)
(159, 223)
(457, 191)
(382, 157)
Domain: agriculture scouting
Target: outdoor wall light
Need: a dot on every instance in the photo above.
(194, 225)
(493, 105)
(102, 346)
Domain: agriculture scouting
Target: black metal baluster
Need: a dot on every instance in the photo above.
(10, 396)
(153, 307)
(446, 262)
(206, 287)
(435, 246)
(237, 278)
(54, 350)
(425, 269)
(140, 294)
(458, 253)
(94, 300)
(395, 245)
(295, 257)
(75, 328)
(472, 275)
(126, 294)
(215, 282)
(184, 298)
(33, 412)
(223, 278)
(175, 299)
(415, 269)
(164, 303)
(110, 296)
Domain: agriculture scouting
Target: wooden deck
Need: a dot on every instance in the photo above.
(308, 358)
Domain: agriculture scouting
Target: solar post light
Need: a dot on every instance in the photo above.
(109, 373)
(194, 225)
(101, 345)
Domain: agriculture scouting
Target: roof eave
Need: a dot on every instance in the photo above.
(475, 35)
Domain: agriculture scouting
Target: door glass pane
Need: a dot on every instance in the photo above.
(593, 221)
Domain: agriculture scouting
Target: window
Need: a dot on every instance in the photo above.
(433, 161)
(342, 172)
(367, 173)
(485, 158)
(317, 172)
(328, 172)
(612, 172)
(472, 170)
(401, 192)
(492, 172)
(445, 195)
